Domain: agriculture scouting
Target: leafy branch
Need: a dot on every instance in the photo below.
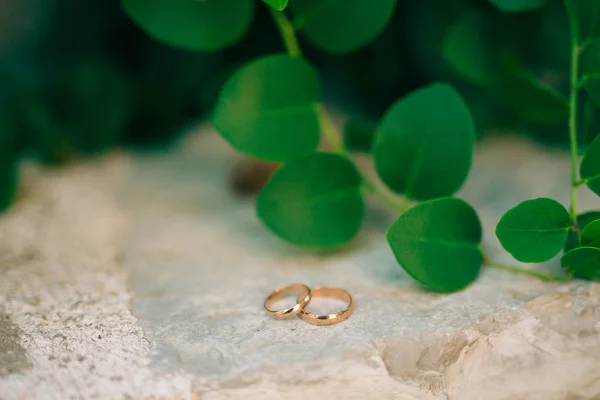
(330, 132)
(537, 230)
(422, 148)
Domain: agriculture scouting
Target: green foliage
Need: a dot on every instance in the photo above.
(582, 262)
(358, 135)
(489, 51)
(517, 5)
(313, 201)
(590, 166)
(97, 99)
(509, 62)
(586, 16)
(533, 100)
(205, 25)
(469, 54)
(341, 26)
(590, 70)
(535, 230)
(590, 235)
(573, 241)
(592, 122)
(437, 243)
(424, 143)
(268, 108)
(279, 5)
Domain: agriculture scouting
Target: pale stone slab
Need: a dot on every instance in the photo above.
(141, 277)
(201, 264)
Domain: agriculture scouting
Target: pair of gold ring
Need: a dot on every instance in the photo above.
(305, 294)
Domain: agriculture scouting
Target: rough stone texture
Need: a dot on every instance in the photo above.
(63, 285)
(143, 277)
(13, 357)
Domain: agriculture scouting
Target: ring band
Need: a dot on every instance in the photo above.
(329, 319)
(304, 296)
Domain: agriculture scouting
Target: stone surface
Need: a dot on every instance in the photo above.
(13, 357)
(143, 277)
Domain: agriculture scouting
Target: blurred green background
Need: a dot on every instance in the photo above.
(79, 77)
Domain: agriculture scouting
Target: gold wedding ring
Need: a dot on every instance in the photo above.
(304, 296)
(329, 319)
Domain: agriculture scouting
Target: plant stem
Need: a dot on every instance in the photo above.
(524, 271)
(573, 97)
(287, 32)
(330, 132)
(399, 204)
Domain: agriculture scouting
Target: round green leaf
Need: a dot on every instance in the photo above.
(582, 222)
(341, 26)
(511, 6)
(279, 5)
(590, 235)
(204, 25)
(313, 201)
(424, 143)
(582, 262)
(535, 230)
(437, 243)
(268, 108)
(590, 166)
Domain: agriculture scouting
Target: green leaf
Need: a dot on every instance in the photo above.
(424, 143)
(532, 100)
(586, 14)
(268, 108)
(358, 135)
(590, 71)
(511, 6)
(437, 243)
(582, 221)
(535, 230)
(590, 166)
(313, 201)
(582, 262)
(200, 25)
(590, 235)
(469, 52)
(341, 26)
(279, 5)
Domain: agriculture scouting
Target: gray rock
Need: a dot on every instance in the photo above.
(142, 276)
